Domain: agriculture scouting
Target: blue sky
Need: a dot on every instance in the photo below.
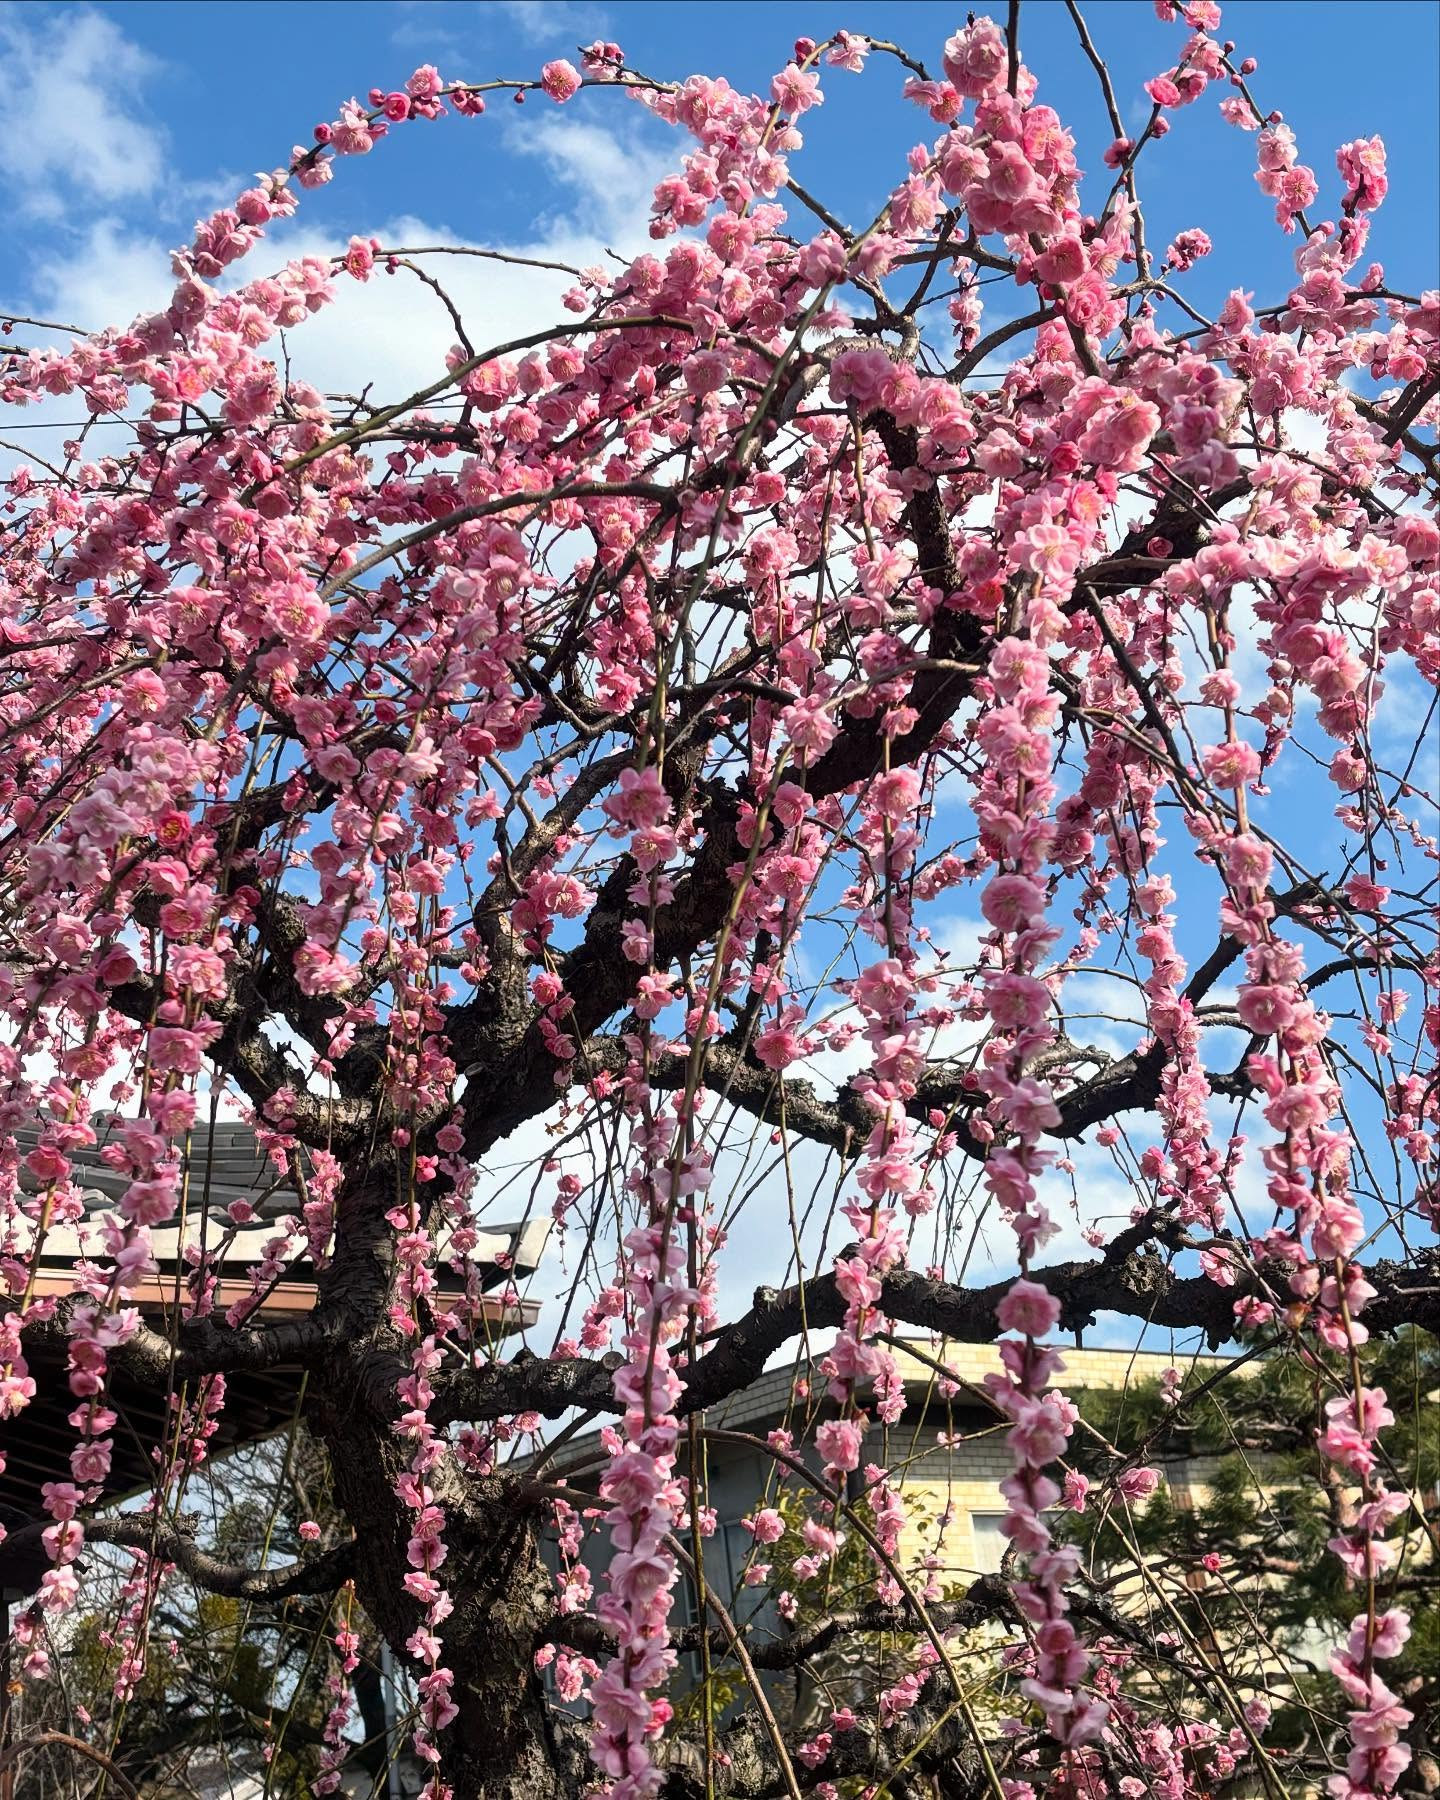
(125, 120)
(120, 124)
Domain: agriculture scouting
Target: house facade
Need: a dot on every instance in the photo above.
(946, 1456)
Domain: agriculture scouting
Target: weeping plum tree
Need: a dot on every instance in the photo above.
(598, 741)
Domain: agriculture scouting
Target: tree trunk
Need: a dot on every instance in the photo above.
(500, 1746)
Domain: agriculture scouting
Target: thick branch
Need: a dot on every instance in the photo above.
(23, 1560)
(1124, 1084)
(1130, 1282)
(205, 1346)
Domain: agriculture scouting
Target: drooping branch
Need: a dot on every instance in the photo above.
(601, 571)
(1131, 1282)
(11, 1754)
(931, 1739)
(986, 1598)
(956, 640)
(23, 1560)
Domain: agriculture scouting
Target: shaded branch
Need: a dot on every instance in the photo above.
(23, 1560)
(204, 1347)
(1134, 1283)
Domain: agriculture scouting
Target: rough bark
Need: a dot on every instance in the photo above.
(499, 1746)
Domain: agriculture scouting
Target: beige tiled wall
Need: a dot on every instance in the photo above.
(1083, 1368)
(966, 1476)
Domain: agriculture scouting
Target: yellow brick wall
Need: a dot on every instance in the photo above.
(1083, 1368)
(966, 1476)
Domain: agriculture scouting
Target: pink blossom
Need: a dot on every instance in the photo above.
(563, 753)
(1230, 765)
(560, 80)
(795, 91)
(810, 728)
(975, 59)
(1028, 1308)
(838, 1441)
(1012, 902)
(767, 1526)
(360, 257)
(638, 801)
(1138, 1484)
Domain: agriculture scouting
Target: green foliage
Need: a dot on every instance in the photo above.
(854, 1669)
(1246, 1533)
(224, 1681)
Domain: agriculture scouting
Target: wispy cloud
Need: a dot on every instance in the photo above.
(113, 270)
(68, 129)
(443, 27)
(107, 277)
(547, 21)
(606, 178)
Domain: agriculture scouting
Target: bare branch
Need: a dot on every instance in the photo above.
(23, 1556)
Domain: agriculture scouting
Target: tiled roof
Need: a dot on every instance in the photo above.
(223, 1167)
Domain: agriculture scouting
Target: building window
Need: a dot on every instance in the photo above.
(989, 1542)
(726, 1555)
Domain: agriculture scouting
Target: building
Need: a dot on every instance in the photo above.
(949, 1450)
(225, 1165)
(948, 1458)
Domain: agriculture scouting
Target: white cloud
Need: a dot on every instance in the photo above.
(545, 21)
(65, 128)
(611, 174)
(108, 278)
(606, 177)
(390, 331)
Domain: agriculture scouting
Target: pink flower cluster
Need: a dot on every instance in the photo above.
(924, 586)
(645, 1499)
